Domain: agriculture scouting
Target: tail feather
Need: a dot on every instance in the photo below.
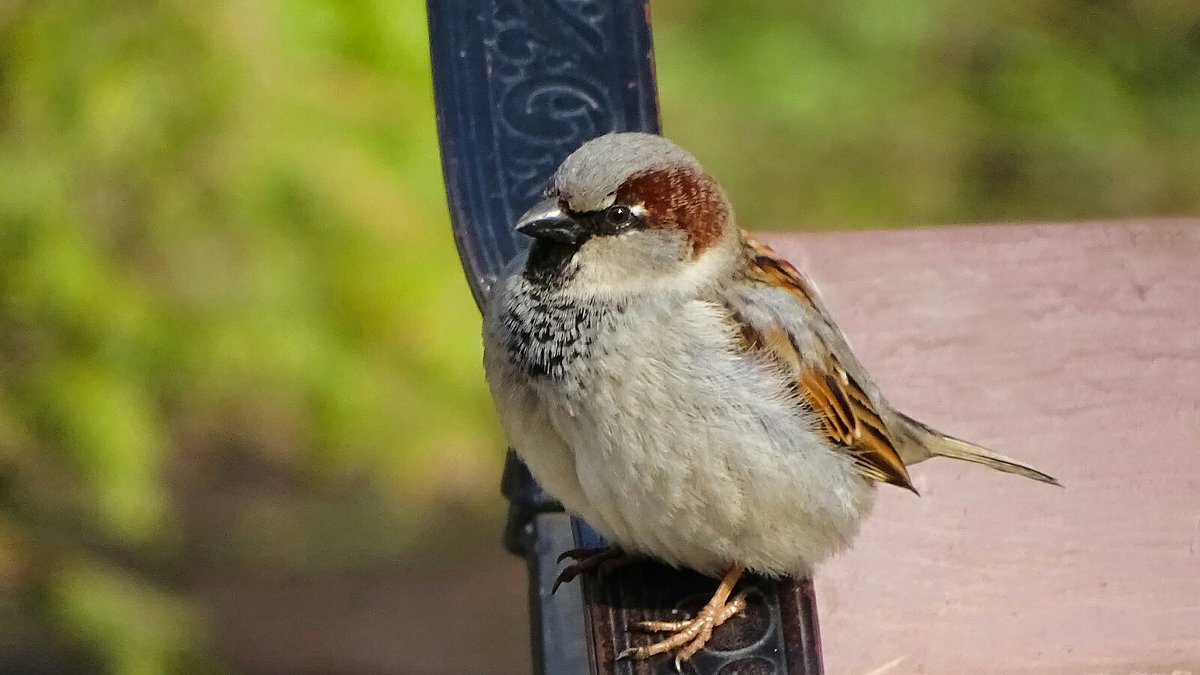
(938, 444)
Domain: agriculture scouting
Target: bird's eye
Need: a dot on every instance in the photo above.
(618, 214)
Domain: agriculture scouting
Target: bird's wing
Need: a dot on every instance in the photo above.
(778, 316)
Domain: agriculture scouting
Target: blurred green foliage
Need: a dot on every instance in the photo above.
(223, 242)
(221, 226)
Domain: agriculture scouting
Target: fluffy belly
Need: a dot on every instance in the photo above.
(705, 471)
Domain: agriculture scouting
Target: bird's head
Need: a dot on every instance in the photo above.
(630, 213)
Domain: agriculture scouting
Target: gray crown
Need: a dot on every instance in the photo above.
(590, 176)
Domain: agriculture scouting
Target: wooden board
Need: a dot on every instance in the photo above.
(1076, 347)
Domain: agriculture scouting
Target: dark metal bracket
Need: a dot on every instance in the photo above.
(518, 85)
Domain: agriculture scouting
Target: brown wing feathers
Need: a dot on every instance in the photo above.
(847, 416)
(767, 267)
(851, 422)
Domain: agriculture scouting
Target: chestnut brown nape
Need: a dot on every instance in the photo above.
(682, 198)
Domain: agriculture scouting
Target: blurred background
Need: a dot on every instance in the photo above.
(243, 424)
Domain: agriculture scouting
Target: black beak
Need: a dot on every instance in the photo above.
(547, 220)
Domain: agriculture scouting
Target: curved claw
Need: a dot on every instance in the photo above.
(581, 553)
(626, 653)
(568, 574)
(603, 560)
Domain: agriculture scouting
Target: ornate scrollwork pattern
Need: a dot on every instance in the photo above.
(552, 78)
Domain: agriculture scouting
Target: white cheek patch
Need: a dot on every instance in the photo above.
(632, 262)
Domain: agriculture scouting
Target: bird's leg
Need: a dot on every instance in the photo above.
(692, 634)
(600, 560)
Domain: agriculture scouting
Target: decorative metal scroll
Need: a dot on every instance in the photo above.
(518, 85)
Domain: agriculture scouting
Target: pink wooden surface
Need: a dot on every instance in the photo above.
(1076, 347)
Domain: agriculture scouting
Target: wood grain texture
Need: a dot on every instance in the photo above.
(1075, 347)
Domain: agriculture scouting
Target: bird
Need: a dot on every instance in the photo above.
(682, 388)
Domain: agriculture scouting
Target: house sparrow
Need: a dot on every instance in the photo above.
(682, 388)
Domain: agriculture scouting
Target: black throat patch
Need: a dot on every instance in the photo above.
(547, 330)
(550, 264)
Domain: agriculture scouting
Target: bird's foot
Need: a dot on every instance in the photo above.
(599, 560)
(690, 635)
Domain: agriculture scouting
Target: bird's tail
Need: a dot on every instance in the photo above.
(936, 444)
